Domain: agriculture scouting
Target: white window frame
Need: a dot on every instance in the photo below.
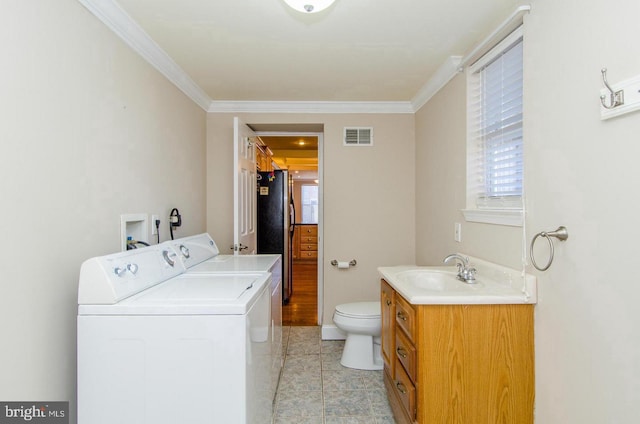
(302, 204)
(501, 211)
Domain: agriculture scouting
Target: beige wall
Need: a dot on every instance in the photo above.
(581, 172)
(89, 131)
(440, 187)
(369, 194)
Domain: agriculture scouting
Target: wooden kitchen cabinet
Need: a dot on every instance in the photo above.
(306, 245)
(264, 158)
(458, 364)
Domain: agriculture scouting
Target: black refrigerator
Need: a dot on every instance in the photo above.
(276, 222)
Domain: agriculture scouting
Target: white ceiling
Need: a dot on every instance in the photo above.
(356, 51)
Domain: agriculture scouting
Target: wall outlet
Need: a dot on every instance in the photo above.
(154, 230)
(457, 232)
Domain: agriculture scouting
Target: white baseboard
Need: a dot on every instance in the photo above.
(331, 332)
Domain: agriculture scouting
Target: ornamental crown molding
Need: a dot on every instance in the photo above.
(125, 27)
(309, 107)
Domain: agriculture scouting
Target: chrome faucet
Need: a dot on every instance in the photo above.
(466, 274)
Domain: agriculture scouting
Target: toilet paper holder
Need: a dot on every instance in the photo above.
(343, 265)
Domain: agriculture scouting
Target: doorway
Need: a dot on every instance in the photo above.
(299, 152)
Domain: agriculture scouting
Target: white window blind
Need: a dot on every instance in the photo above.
(495, 157)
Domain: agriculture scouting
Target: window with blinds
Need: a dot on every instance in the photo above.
(495, 149)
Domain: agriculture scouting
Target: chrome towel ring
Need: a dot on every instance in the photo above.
(561, 234)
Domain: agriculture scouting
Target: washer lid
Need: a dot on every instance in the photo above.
(186, 294)
(360, 309)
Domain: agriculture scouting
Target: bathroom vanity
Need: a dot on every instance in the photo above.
(465, 362)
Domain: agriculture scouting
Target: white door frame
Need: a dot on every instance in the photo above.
(320, 136)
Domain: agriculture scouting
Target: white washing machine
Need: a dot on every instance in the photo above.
(159, 346)
(200, 255)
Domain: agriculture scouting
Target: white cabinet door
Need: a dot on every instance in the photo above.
(244, 189)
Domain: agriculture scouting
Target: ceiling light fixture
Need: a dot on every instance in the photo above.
(309, 6)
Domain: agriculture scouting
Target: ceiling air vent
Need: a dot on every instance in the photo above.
(358, 136)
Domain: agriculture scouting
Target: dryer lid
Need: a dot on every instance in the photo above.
(360, 309)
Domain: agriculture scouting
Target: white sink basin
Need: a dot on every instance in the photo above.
(495, 284)
(436, 281)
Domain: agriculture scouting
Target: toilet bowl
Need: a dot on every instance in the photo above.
(362, 324)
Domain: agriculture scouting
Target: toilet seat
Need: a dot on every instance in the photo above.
(362, 310)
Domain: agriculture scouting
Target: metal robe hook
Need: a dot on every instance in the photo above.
(616, 97)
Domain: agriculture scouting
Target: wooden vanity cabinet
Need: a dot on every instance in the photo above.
(458, 364)
(387, 316)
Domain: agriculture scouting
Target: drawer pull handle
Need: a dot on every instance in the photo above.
(388, 302)
(401, 352)
(401, 388)
(401, 316)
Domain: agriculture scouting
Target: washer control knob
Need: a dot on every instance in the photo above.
(185, 251)
(168, 257)
(133, 268)
(119, 271)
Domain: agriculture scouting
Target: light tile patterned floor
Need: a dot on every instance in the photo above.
(316, 389)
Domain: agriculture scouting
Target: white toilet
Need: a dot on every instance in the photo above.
(361, 322)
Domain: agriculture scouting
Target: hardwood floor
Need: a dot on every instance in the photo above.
(303, 305)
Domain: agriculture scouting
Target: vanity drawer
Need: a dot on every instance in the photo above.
(406, 354)
(405, 390)
(406, 317)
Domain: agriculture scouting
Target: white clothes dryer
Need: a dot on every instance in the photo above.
(201, 256)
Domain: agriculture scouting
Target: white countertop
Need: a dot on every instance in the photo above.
(437, 285)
